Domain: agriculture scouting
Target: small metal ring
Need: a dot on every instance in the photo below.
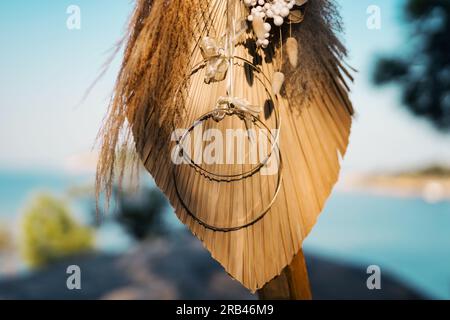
(229, 178)
(225, 177)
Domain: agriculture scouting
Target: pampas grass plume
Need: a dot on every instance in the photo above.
(258, 27)
(277, 82)
(292, 51)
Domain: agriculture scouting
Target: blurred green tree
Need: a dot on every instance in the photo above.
(424, 73)
(50, 233)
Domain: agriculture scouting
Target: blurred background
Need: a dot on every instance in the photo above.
(391, 207)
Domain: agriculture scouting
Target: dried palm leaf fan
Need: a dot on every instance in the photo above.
(270, 69)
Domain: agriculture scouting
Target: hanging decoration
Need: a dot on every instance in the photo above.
(239, 109)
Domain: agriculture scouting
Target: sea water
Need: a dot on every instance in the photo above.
(406, 237)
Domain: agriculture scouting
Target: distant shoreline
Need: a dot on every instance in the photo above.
(427, 187)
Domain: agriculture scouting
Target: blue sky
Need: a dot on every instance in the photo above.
(46, 68)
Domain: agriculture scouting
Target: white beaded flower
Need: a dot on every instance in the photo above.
(261, 10)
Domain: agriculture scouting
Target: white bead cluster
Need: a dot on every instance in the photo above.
(278, 10)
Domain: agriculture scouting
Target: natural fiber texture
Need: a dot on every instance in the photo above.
(147, 82)
(320, 55)
(314, 107)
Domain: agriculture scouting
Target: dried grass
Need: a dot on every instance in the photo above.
(160, 37)
(321, 53)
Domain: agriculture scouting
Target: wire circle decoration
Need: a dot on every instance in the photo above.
(228, 111)
(265, 210)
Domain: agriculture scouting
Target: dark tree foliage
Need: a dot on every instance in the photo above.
(424, 74)
(141, 215)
